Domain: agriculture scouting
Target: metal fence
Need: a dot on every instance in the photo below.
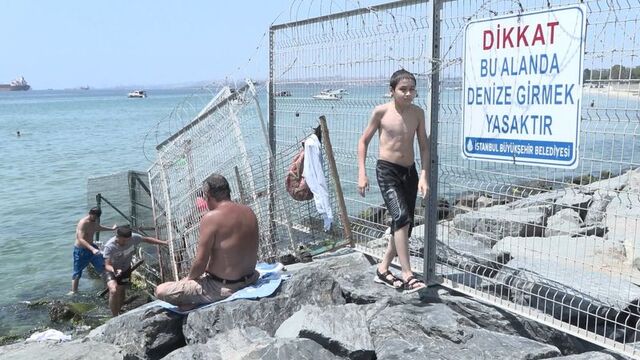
(229, 136)
(125, 199)
(554, 245)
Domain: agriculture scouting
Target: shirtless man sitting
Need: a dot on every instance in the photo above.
(226, 254)
(84, 250)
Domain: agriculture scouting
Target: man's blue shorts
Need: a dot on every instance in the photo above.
(81, 259)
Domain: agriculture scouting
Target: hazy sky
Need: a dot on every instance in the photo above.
(72, 43)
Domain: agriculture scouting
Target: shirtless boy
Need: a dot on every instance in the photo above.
(226, 254)
(397, 123)
(84, 250)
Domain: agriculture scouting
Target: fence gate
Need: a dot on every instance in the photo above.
(554, 245)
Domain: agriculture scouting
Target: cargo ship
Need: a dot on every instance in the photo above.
(19, 84)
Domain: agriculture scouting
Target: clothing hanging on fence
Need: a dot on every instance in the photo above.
(314, 175)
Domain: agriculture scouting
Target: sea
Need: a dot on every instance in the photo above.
(65, 138)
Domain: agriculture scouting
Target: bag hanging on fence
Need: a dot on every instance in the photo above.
(295, 183)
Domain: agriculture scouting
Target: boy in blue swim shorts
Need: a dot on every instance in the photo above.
(85, 252)
(397, 122)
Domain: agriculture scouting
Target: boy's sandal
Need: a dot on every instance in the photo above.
(412, 285)
(388, 279)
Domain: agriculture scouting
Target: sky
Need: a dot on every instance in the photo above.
(119, 43)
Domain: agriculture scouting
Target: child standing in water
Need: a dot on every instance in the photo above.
(397, 123)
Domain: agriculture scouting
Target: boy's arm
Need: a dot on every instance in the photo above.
(425, 154)
(363, 144)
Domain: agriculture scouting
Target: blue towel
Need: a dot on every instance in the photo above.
(266, 285)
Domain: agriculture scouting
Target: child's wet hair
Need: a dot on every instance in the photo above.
(401, 75)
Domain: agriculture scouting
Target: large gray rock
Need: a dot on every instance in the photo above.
(148, 332)
(251, 343)
(309, 286)
(505, 220)
(74, 350)
(591, 355)
(341, 329)
(596, 211)
(436, 331)
(622, 220)
(574, 200)
(564, 222)
(498, 320)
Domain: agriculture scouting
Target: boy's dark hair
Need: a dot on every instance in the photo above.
(217, 187)
(400, 75)
(124, 231)
(95, 211)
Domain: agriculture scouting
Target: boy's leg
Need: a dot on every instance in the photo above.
(401, 240)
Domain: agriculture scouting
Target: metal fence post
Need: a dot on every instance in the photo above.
(431, 215)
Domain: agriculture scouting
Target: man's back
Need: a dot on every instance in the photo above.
(235, 247)
(397, 132)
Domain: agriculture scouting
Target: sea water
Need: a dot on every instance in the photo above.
(66, 137)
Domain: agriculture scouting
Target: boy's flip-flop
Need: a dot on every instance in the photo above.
(388, 279)
(412, 285)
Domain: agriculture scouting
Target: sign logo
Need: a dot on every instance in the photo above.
(522, 87)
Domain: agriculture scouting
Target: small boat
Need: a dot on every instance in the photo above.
(284, 93)
(338, 92)
(137, 94)
(327, 96)
(85, 87)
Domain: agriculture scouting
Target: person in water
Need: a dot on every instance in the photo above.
(397, 122)
(85, 252)
(118, 252)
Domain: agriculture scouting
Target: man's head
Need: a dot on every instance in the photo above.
(216, 187)
(123, 234)
(94, 213)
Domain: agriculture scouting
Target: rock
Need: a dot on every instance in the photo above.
(435, 331)
(341, 329)
(621, 218)
(251, 343)
(495, 319)
(504, 220)
(564, 222)
(575, 201)
(599, 203)
(148, 332)
(309, 286)
(591, 355)
(62, 351)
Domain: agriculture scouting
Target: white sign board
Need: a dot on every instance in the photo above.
(523, 87)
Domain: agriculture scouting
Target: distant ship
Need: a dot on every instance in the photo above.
(16, 85)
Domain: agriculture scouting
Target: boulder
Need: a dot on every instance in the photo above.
(436, 331)
(309, 286)
(341, 329)
(63, 351)
(148, 332)
(505, 220)
(564, 222)
(251, 343)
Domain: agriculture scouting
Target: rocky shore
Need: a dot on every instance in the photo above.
(327, 309)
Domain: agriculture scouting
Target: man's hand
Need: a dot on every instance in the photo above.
(423, 187)
(95, 252)
(363, 184)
